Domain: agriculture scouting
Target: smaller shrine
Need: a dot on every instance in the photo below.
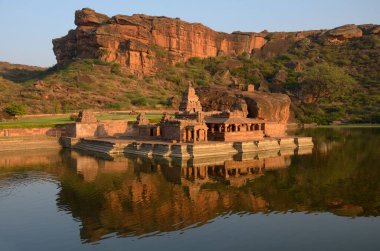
(86, 116)
(143, 129)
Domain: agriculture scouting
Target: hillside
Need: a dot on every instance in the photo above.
(329, 74)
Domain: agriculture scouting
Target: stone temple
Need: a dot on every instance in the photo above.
(191, 125)
(188, 133)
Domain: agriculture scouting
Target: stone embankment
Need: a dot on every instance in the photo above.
(185, 150)
(14, 139)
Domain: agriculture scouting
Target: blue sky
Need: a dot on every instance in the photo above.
(28, 26)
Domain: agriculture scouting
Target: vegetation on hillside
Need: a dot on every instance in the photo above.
(326, 81)
(56, 120)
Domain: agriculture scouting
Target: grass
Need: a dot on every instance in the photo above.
(35, 122)
(153, 117)
(51, 121)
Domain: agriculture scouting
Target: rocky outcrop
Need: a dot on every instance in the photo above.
(88, 17)
(140, 41)
(280, 77)
(273, 107)
(344, 32)
(146, 43)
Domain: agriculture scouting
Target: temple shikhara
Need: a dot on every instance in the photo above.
(190, 132)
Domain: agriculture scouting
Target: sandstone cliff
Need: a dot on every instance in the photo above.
(138, 40)
(143, 43)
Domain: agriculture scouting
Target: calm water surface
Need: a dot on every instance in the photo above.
(327, 198)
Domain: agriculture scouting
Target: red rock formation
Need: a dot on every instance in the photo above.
(140, 41)
(143, 43)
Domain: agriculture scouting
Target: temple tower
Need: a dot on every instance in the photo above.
(190, 102)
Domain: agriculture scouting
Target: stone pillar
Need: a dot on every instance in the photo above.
(202, 172)
(184, 135)
(226, 175)
(188, 135)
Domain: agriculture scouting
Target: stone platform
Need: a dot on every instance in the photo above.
(186, 150)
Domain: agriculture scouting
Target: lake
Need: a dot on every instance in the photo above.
(325, 198)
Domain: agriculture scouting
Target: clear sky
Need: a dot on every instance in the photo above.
(28, 26)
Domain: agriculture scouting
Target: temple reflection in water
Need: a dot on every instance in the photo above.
(136, 196)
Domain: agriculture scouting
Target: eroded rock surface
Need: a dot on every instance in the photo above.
(146, 43)
(345, 32)
(139, 41)
(273, 107)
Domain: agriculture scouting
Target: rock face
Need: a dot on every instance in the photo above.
(145, 43)
(138, 41)
(273, 107)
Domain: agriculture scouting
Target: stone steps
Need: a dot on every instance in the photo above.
(283, 146)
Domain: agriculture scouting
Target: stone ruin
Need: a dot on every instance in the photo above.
(88, 126)
(142, 119)
(86, 116)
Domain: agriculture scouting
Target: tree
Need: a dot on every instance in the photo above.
(326, 81)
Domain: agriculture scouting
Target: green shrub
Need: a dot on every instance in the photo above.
(140, 101)
(115, 69)
(269, 36)
(16, 109)
(165, 102)
(114, 106)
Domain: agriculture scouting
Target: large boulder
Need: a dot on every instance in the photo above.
(220, 99)
(345, 32)
(273, 107)
(88, 17)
